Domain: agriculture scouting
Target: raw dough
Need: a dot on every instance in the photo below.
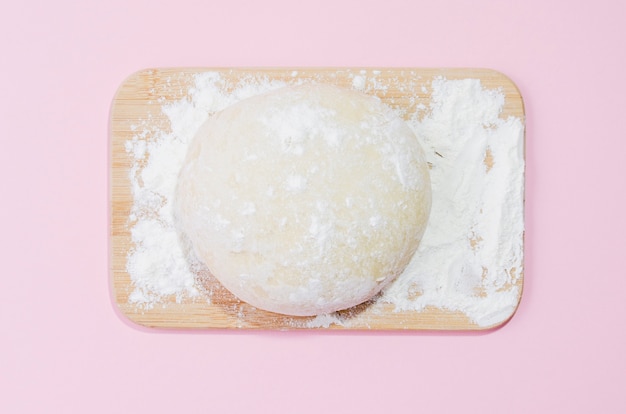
(305, 200)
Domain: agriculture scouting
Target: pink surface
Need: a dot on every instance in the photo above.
(65, 349)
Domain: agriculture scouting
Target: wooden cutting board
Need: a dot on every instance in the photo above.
(140, 98)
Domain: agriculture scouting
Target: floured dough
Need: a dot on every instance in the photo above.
(304, 200)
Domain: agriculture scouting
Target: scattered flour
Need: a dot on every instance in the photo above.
(471, 255)
(470, 258)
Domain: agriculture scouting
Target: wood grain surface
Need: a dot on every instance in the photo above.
(140, 97)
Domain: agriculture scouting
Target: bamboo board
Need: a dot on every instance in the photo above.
(139, 98)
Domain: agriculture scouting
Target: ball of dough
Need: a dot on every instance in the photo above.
(305, 200)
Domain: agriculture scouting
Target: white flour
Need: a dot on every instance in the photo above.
(471, 254)
(470, 258)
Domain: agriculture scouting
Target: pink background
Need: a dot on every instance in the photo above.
(64, 348)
